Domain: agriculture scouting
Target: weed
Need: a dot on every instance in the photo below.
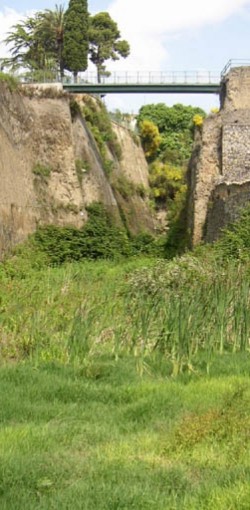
(82, 167)
(42, 171)
(10, 81)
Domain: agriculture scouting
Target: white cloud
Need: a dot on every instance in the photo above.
(8, 18)
(147, 24)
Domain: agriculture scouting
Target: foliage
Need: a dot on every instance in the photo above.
(31, 46)
(198, 120)
(124, 186)
(75, 109)
(50, 31)
(150, 138)
(235, 240)
(82, 167)
(169, 119)
(100, 126)
(215, 109)
(75, 46)
(41, 170)
(185, 310)
(99, 238)
(166, 182)
(175, 126)
(11, 82)
(105, 42)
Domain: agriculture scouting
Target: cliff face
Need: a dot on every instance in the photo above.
(219, 174)
(50, 168)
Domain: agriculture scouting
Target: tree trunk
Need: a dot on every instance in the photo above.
(99, 74)
(75, 76)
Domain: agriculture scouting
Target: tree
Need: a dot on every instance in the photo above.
(105, 42)
(75, 49)
(37, 41)
(26, 50)
(176, 127)
(50, 31)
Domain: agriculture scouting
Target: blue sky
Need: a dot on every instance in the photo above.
(164, 35)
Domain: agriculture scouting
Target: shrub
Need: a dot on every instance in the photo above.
(100, 125)
(125, 187)
(99, 238)
(74, 108)
(150, 138)
(41, 170)
(235, 240)
(167, 183)
(11, 82)
(198, 120)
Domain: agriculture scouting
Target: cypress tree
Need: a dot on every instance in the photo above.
(75, 47)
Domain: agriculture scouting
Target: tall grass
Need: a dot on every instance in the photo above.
(73, 314)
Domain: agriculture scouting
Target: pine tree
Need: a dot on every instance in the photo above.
(105, 42)
(75, 51)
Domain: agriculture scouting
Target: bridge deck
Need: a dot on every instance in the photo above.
(165, 88)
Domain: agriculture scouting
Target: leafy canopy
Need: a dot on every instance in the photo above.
(75, 49)
(176, 126)
(105, 42)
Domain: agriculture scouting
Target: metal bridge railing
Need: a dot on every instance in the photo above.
(153, 78)
(195, 77)
(234, 62)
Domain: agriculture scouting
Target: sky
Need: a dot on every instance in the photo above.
(164, 35)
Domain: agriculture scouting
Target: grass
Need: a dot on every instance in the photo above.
(184, 309)
(11, 81)
(109, 438)
(124, 385)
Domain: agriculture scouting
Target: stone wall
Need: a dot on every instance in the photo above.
(219, 178)
(236, 152)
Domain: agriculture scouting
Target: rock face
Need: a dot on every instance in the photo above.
(219, 173)
(51, 169)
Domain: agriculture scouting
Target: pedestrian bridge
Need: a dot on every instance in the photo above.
(169, 82)
(190, 82)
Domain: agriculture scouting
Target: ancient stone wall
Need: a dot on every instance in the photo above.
(219, 182)
(236, 152)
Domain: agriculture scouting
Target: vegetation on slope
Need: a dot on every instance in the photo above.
(167, 138)
(126, 385)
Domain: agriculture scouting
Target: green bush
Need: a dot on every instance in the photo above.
(99, 238)
(235, 240)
